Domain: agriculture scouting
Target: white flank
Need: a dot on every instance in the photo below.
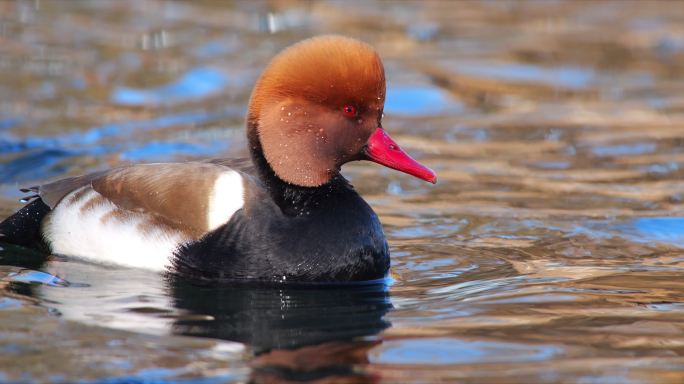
(129, 240)
(226, 198)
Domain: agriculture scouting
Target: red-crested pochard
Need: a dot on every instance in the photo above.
(285, 216)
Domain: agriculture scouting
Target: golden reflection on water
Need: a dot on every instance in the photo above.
(549, 251)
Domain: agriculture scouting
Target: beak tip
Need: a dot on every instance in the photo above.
(432, 178)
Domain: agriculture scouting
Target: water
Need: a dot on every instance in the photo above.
(551, 249)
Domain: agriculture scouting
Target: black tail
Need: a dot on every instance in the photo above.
(23, 228)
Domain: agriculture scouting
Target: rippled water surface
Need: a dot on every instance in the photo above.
(550, 250)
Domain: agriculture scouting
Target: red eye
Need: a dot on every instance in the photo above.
(349, 110)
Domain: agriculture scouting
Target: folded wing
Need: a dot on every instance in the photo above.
(139, 215)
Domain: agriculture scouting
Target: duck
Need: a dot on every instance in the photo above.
(283, 215)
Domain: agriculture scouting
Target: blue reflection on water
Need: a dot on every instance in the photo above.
(624, 149)
(165, 376)
(669, 230)
(76, 139)
(569, 77)
(9, 303)
(552, 164)
(43, 157)
(160, 151)
(663, 229)
(420, 100)
(35, 165)
(456, 351)
(9, 122)
(36, 277)
(195, 84)
(671, 166)
(216, 48)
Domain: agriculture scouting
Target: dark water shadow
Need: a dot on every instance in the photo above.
(268, 318)
(22, 257)
(301, 334)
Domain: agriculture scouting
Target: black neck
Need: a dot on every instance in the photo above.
(293, 200)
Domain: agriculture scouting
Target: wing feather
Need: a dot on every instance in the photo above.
(180, 194)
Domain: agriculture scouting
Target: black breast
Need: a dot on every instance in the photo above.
(324, 234)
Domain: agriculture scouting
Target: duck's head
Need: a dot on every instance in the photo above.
(319, 104)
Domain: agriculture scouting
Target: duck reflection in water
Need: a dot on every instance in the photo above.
(298, 333)
(305, 333)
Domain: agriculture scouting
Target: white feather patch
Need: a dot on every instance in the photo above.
(226, 197)
(129, 239)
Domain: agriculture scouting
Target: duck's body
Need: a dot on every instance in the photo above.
(286, 216)
(168, 217)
